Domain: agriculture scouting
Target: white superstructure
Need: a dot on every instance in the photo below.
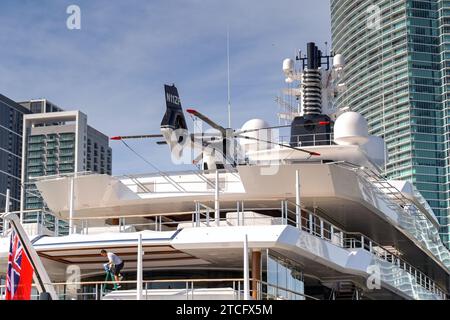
(320, 221)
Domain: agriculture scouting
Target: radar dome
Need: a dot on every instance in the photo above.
(338, 61)
(288, 67)
(255, 129)
(351, 128)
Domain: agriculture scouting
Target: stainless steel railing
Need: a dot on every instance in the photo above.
(418, 223)
(314, 139)
(185, 182)
(320, 227)
(45, 222)
(187, 289)
(309, 222)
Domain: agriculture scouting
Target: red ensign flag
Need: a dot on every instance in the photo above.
(20, 271)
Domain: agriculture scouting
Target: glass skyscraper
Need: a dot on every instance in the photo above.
(11, 120)
(11, 129)
(398, 76)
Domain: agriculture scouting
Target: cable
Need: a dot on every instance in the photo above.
(140, 156)
(170, 180)
(196, 125)
(311, 153)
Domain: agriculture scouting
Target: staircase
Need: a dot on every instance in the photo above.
(346, 291)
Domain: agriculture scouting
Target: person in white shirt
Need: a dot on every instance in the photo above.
(115, 264)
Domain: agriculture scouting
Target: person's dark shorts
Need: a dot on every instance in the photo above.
(117, 268)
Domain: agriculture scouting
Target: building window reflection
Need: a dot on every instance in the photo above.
(284, 278)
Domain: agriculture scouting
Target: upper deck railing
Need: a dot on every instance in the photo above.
(418, 223)
(327, 231)
(183, 182)
(310, 140)
(184, 289)
(310, 222)
(388, 190)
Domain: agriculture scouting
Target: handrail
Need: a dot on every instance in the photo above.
(176, 173)
(41, 221)
(402, 200)
(283, 289)
(325, 139)
(64, 175)
(359, 237)
(147, 281)
(190, 290)
(167, 214)
(429, 240)
(311, 226)
(315, 225)
(185, 180)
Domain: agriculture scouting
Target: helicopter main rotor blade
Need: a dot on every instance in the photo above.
(207, 120)
(146, 136)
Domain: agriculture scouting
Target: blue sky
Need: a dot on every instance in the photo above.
(114, 68)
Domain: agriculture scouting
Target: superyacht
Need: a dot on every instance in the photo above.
(264, 216)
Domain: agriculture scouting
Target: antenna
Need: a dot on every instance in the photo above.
(228, 77)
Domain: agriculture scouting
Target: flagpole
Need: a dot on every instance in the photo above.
(228, 78)
(43, 282)
(246, 270)
(5, 221)
(139, 275)
(71, 204)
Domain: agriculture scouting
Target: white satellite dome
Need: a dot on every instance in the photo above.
(288, 66)
(255, 124)
(351, 128)
(288, 69)
(338, 61)
(253, 127)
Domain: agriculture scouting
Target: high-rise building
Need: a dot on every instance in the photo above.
(40, 106)
(398, 76)
(59, 143)
(11, 127)
(11, 120)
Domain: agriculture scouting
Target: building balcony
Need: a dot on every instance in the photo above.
(36, 148)
(67, 146)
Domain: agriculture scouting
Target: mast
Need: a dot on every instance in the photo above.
(228, 78)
